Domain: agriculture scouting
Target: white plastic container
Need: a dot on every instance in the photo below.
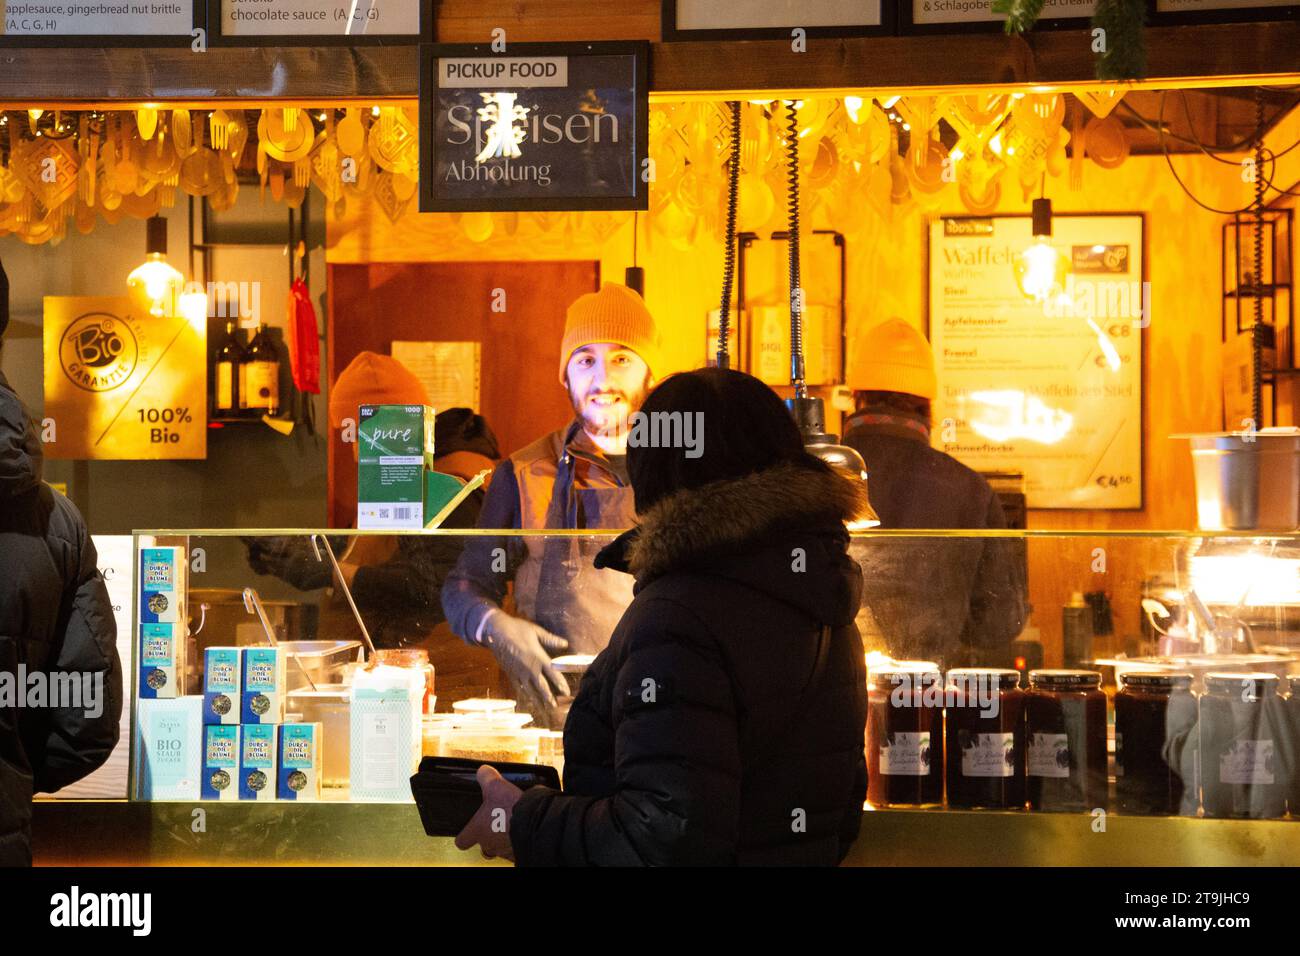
(385, 724)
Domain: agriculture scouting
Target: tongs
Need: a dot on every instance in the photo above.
(343, 584)
(253, 604)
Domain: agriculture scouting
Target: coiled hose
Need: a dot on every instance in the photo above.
(796, 284)
(1257, 331)
(729, 256)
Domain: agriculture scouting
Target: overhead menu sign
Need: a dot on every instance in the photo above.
(935, 13)
(538, 126)
(56, 19)
(1052, 389)
(243, 19)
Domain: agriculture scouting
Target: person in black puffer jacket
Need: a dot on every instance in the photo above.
(724, 722)
(55, 615)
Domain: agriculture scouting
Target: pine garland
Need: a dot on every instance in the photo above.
(1021, 14)
(1126, 47)
(1125, 56)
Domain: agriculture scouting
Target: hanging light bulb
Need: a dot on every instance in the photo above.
(1040, 270)
(154, 285)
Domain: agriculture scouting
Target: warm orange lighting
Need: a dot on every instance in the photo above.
(193, 307)
(1040, 271)
(1009, 415)
(155, 285)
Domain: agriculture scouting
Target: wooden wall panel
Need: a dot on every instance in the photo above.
(373, 304)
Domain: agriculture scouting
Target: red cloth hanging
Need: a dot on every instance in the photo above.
(304, 339)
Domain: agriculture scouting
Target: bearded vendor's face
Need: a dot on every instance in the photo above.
(607, 383)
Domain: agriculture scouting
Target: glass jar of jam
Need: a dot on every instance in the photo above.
(904, 736)
(416, 659)
(1155, 744)
(1065, 740)
(1293, 728)
(986, 738)
(1244, 741)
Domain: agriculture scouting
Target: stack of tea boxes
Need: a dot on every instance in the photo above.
(232, 742)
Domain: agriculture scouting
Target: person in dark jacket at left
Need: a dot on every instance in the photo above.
(724, 722)
(55, 618)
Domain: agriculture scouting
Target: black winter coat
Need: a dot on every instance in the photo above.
(54, 616)
(724, 722)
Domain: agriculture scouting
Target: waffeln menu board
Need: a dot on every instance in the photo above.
(1052, 389)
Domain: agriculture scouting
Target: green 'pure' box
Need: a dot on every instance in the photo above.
(396, 448)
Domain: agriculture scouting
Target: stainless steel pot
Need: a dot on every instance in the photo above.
(1247, 481)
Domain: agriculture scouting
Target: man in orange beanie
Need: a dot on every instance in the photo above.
(575, 477)
(952, 600)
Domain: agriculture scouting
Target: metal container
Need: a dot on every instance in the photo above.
(1247, 481)
(329, 706)
(322, 661)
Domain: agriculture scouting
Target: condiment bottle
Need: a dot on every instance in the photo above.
(904, 736)
(985, 738)
(1245, 746)
(1155, 744)
(1065, 762)
(417, 659)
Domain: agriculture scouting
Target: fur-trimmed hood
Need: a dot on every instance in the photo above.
(780, 530)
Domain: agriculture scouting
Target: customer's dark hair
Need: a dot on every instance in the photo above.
(909, 404)
(746, 428)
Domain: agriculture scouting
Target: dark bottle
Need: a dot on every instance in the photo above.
(904, 737)
(225, 374)
(1065, 736)
(1245, 743)
(1155, 744)
(259, 382)
(985, 738)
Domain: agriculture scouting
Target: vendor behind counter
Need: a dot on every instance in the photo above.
(956, 601)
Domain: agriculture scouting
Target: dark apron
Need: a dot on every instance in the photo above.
(575, 599)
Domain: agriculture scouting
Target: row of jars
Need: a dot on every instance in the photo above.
(1229, 751)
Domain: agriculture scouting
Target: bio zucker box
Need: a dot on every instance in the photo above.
(396, 449)
(171, 733)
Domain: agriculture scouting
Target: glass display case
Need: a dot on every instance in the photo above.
(1063, 681)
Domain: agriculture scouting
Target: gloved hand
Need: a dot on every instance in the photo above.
(290, 559)
(521, 647)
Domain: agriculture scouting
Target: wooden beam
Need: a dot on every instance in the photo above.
(1224, 54)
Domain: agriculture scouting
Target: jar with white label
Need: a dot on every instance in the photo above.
(1293, 729)
(986, 738)
(1065, 741)
(1244, 744)
(1155, 744)
(905, 737)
